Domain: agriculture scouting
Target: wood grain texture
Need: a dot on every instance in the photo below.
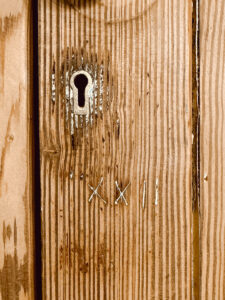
(139, 54)
(16, 238)
(212, 84)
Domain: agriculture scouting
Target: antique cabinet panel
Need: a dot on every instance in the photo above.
(137, 136)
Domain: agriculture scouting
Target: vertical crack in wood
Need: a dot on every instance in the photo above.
(34, 6)
(195, 151)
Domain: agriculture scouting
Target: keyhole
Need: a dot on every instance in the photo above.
(81, 82)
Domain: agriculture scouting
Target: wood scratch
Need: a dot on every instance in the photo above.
(95, 191)
(121, 196)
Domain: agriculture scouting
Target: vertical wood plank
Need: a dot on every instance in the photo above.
(139, 134)
(16, 235)
(195, 152)
(212, 148)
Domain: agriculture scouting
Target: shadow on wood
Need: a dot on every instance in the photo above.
(82, 3)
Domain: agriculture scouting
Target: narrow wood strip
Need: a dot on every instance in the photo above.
(212, 145)
(16, 153)
(195, 151)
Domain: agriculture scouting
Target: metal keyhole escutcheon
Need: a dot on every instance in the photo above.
(81, 83)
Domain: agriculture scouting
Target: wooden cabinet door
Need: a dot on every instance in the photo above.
(129, 149)
(137, 137)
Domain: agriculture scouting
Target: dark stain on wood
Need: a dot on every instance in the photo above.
(66, 252)
(82, 3)
(14, 274)
(7, 25)
(83, 265)
(13, 277)
(8, 232)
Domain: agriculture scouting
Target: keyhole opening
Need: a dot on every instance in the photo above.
(81, 82)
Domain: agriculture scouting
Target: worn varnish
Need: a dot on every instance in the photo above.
(212, 207)
(16, 242)
(139, 132)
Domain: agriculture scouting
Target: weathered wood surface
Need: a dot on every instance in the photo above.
(139, 53)
(16, 242)
(212, 84)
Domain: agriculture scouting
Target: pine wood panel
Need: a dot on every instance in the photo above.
(212, 206)
(139, 132)
(16, 242)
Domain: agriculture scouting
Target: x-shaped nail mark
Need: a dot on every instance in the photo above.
(95, 191)
(121, 196)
